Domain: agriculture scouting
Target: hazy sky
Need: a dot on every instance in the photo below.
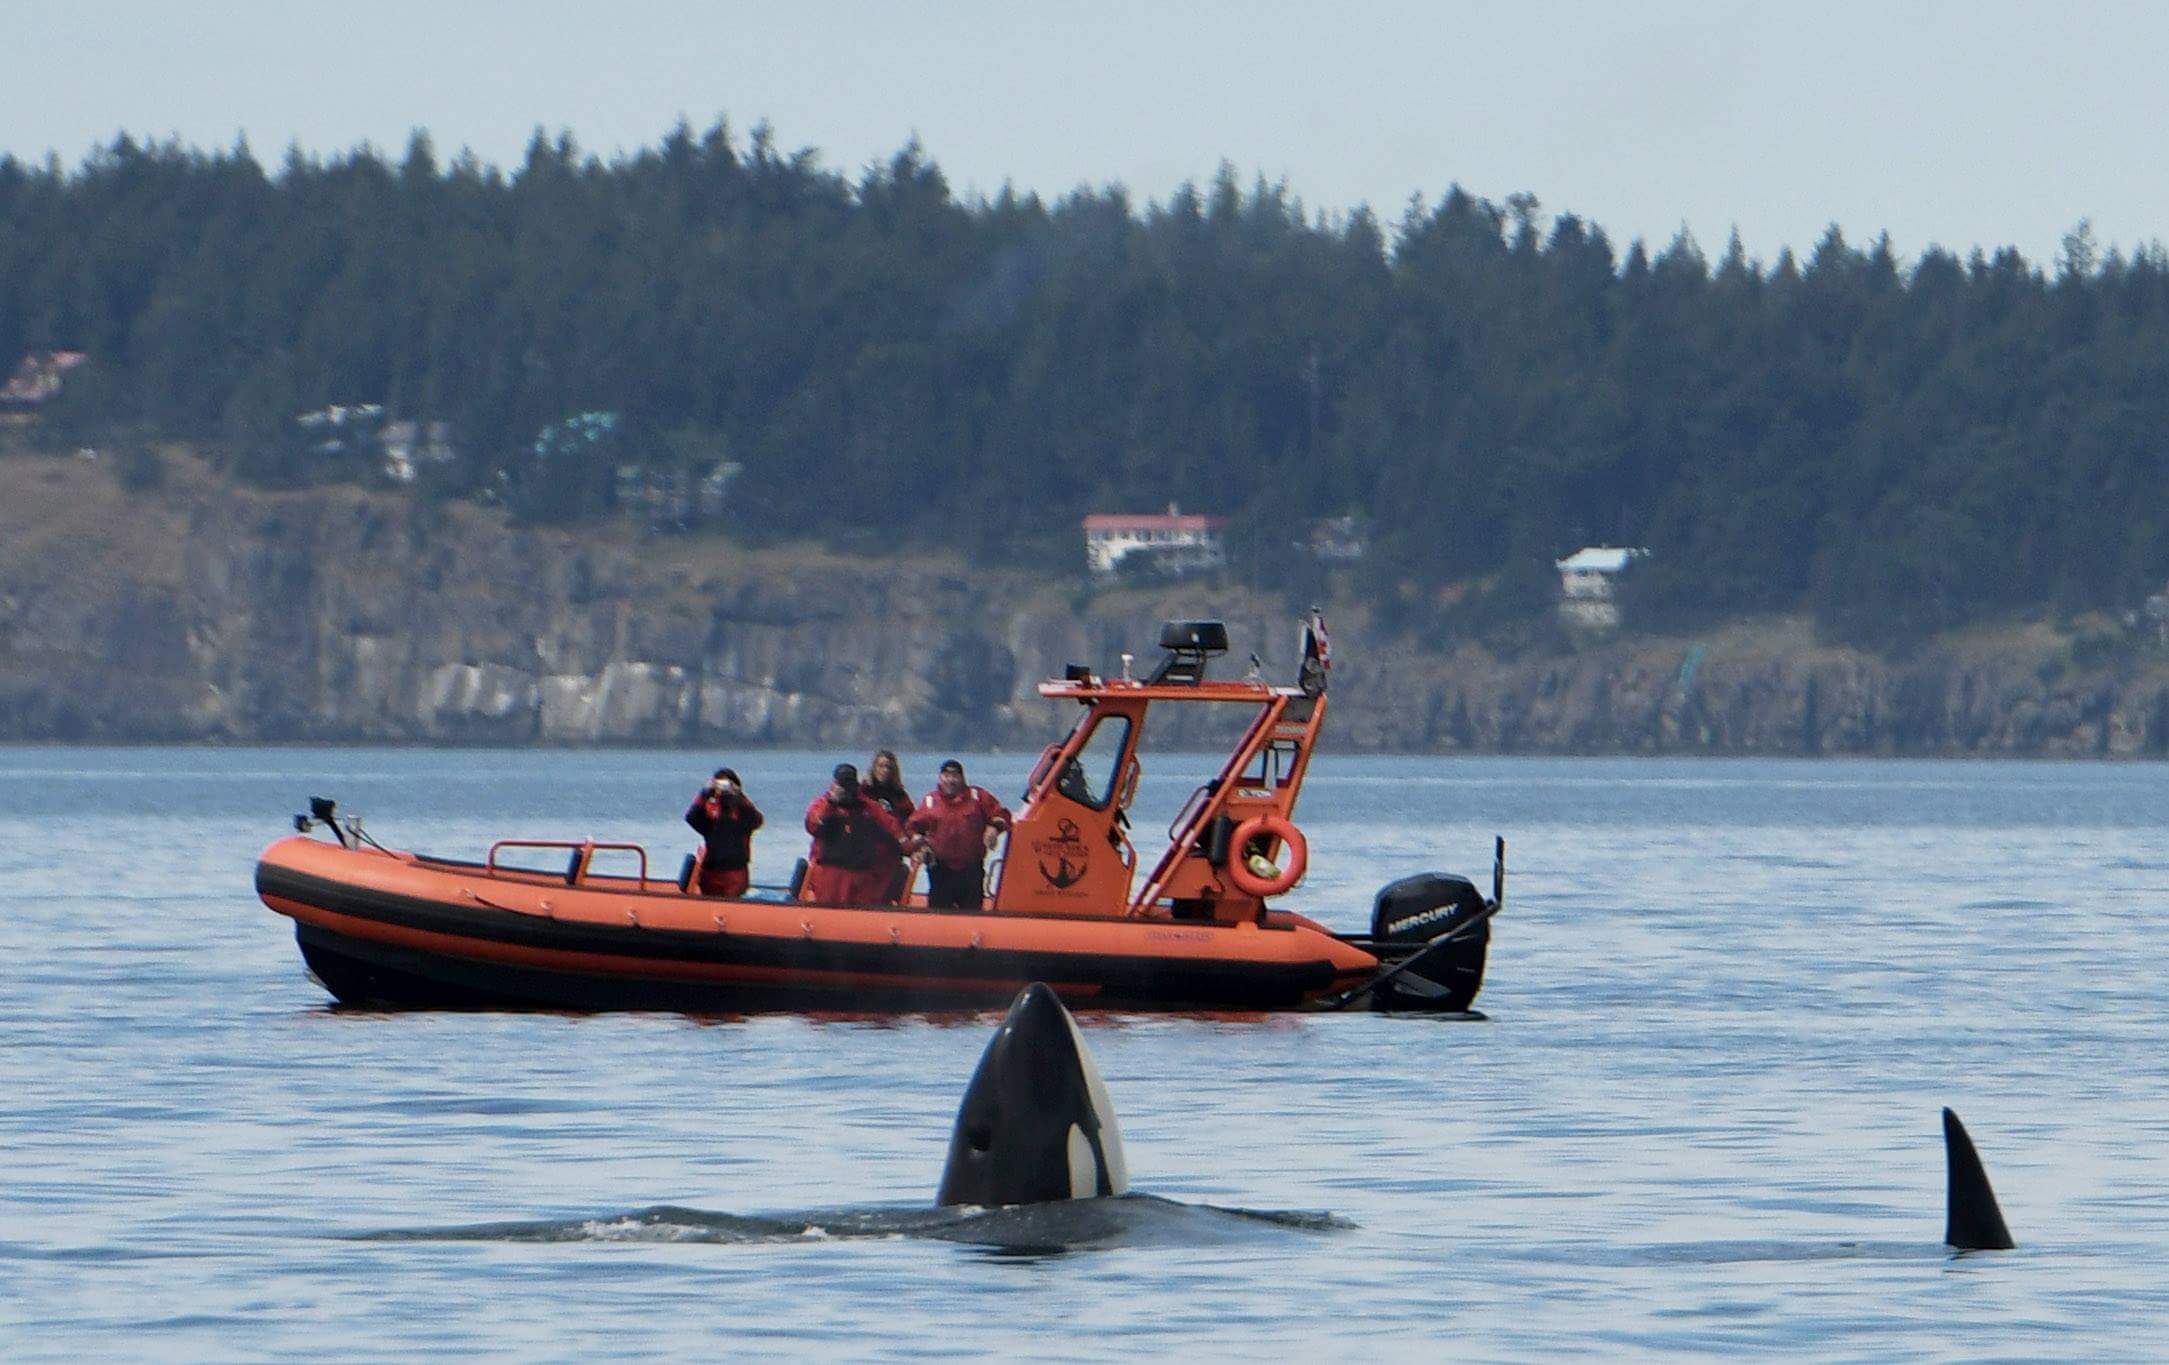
(1982, 122)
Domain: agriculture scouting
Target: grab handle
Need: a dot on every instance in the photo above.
(583, 852)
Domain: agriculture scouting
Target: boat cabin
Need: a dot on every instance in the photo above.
(1232, 846)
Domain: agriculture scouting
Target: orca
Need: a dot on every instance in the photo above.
(1972, 1220)
(1036, 1125)
(1035, 1167)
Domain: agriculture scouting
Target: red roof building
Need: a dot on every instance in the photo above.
(1175, 542)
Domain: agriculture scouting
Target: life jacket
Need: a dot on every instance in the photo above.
(956, 827)
(728, 829)
(856, 841)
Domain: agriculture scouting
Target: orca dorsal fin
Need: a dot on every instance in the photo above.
(1973, 1222)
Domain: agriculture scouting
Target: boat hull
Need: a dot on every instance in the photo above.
(396, 930)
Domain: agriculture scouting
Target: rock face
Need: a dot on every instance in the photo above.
(1755, 690)
(340, 615)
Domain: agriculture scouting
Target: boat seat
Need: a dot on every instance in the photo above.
(572, 869)
(688, 871)
(798, 878)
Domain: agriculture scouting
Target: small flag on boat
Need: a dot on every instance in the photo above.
(1317, 656)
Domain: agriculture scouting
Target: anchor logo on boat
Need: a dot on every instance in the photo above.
(1068, 851)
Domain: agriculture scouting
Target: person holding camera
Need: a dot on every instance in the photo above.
(855, 838)
(723, 816)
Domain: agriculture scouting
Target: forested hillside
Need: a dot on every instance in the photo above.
(1895, 446)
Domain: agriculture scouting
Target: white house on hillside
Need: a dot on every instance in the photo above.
(37, 380)
(409, 445)
(1586, 578)
(1177, 542)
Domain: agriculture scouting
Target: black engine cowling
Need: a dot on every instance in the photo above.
(1415, 911)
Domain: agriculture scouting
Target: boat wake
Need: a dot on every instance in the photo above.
(1135, 1220)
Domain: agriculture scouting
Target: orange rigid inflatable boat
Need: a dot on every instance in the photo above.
(1070, 904)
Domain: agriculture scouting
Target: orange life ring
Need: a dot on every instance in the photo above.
(1250, 882)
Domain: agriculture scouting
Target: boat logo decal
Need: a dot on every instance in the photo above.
(1430, 916)
(1063, 858)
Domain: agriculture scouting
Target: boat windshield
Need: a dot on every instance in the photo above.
(1089, 778)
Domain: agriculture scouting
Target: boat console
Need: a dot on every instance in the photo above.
(1235, 843)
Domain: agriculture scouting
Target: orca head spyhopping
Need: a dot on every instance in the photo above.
(1972, 1220)
(1036, 1124)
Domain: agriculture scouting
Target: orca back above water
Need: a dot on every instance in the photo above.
(1036, 1165)
(1972, 1220)
(1036, 1124)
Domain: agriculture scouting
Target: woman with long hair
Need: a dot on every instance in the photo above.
(885, 784)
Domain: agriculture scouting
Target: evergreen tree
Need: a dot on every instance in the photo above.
(1893, 446)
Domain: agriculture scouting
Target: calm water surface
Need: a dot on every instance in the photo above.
(1726, 1000)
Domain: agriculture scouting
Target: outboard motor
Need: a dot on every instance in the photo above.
(1421, 909)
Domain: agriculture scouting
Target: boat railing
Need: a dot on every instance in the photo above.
(1183, 817)
(1039, 769)
(583, 852)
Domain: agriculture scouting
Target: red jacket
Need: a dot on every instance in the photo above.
(728, 827)
(956, 826)
(855, 835)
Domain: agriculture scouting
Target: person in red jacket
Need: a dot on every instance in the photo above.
(960, 824)
(885, 783)
(853, 859)
(723, 816)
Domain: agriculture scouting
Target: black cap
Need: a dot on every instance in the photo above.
(952, 766)
(846, 774)
(726, 772)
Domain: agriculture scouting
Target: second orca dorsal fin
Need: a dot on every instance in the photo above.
(1973, 1222)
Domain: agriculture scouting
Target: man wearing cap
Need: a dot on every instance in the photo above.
(722, 815)
(853, 859)
(960, 825)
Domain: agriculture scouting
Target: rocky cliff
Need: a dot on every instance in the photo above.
(200, 611)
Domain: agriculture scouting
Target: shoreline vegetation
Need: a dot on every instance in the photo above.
(219, 613)
(711, 440)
